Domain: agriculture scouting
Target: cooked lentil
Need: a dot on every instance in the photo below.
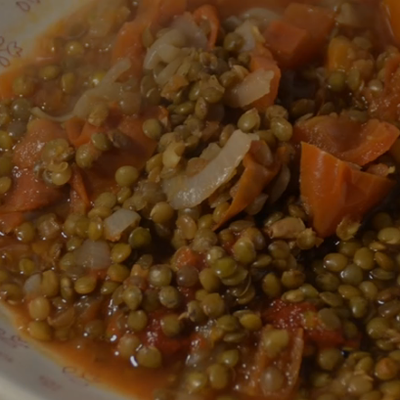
(151, 238)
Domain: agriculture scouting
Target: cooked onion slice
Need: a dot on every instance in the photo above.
(253, 87)
(107, 91)
(116, 224)
(93, 255)
(188, 192)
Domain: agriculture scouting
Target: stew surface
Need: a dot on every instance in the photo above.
(199, 200)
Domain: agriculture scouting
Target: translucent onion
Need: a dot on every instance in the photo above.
(93, 255)
(250, 34)
(172, 38)
(253, 87)
(39, 113)
(187, 192)
(116, 224)
(169, 71)
(108, 90)
(195, 36)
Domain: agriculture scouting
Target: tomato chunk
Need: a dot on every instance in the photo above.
(332, 190)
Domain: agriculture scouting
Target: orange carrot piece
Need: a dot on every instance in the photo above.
(300, 35)
(10, 221)
(391, 9)
(288, 362)
(209, 14)
(340, 55)
(151, 13)
(332, 190)
(40, 132)
(288, 43)
(267, 63)
(129, 45)
(6, 83)
(346, 139)
(317, 21)
(29, 193)
(79, 199)
(228, 8)
(79, 132)
(252, 182)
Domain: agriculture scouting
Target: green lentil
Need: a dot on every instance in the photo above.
(149, 357)
(171, 325)
(249, 121)
(213, 305)
(218, 376)
(118, 272)
(85, 285)
(137, 320)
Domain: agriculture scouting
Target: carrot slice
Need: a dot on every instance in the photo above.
(79, 132)
(288, 43)
(267, 63)
(129, 45)
(6, 83)
(40, 131)
(340, 55)
(391, 10)
(300, 35)
(288, 362)
(227, 8)
(10, 221)
(317, 21)
(79, 199)
(151, 13)
(28, 193)
(252, 182)
(209, 14)
(332, 190)
(346, 139)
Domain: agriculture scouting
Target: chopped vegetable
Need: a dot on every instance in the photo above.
(10, 221)
(276, 378)
(317, 21)
(332, 190)
(288, 43)
(79, 199)
(150, 14)
(346, 139)
(187, 192)
(392, 12)
(116, 224)
(29, 193)
(79, 132)
(208, 14)
(93, 255)
(27, 151)
(300, 35)
(341, 54)
(253, 181)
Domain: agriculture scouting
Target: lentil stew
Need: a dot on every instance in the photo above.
(200, 199)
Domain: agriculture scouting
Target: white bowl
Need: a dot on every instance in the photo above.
(26, 373)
